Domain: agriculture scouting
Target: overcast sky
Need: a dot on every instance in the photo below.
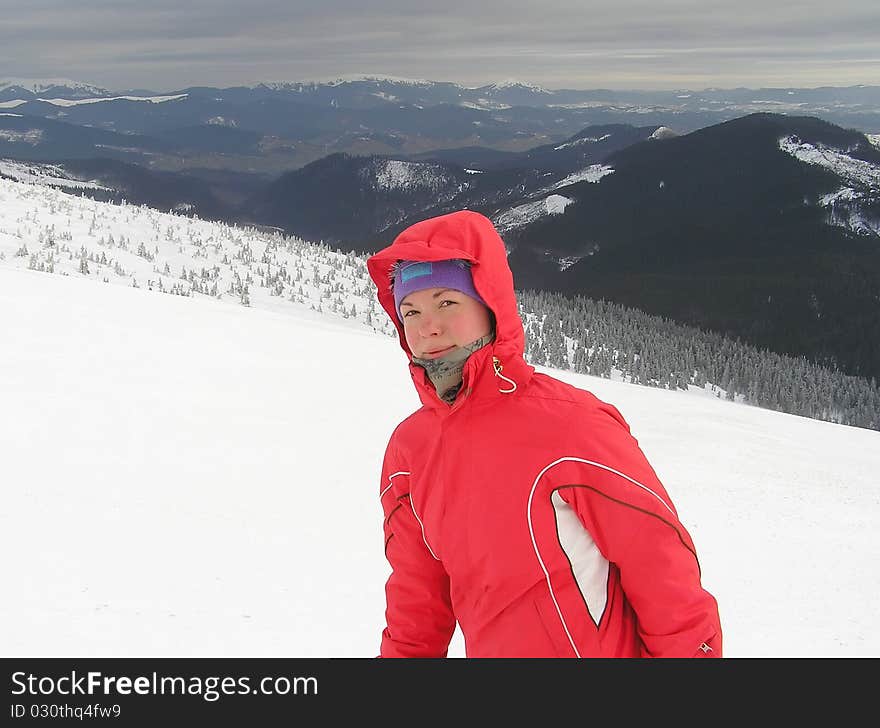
(165, 45)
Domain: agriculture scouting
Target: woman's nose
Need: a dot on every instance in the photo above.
(429, 325)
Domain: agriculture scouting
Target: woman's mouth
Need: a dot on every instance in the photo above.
(437, 352)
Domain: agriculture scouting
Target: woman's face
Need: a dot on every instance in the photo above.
(436, 320)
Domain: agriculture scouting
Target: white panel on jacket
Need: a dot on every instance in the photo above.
(589, 566)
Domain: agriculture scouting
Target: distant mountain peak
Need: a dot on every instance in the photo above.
(342, 80)
(391, 79)
(41, 85)
(663, 132)
(512, 83)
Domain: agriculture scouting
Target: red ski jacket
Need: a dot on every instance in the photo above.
(526, 510)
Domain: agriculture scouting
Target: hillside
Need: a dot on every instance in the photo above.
(765, 228)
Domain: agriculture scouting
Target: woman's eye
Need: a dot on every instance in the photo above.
(406, 315)
(445, 301)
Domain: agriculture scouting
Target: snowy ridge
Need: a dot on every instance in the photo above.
(582, 140)
(552, 204)
(514, 83)
(47, 230)
(850, 170)
(663, 132)
(389, 79)
(46, 174)
(80, 102)
(393, 174)
(312, 84)
(593, 173)
(861, 181)
(521, 215)
(298, 86)
(39, 85)
(845, 210)
(484, 105)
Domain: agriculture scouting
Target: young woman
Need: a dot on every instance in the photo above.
(516, 504)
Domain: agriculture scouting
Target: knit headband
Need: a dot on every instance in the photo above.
(411, 276)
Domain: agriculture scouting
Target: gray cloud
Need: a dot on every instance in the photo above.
(167, 45)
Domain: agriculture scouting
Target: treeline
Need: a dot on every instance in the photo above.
(590, 336)
(600, 338)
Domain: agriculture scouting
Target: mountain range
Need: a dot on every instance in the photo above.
(275, 127)
(762, 226)
(766, 228)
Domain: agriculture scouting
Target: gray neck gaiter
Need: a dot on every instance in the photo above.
(445, 371)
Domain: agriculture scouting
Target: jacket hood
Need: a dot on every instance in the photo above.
(470, 236)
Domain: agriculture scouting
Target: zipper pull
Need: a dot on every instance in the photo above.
(499, 367)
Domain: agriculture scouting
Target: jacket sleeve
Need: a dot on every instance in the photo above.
(635, 525)
(418, 613)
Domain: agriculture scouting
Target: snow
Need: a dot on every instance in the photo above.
(593, 173)
(556, 204)
(523, 214)
(843, 204)
(299, 86)
(874, 139)
(568, 261)
(29, 136)
(844, 194)
(79, 102)
(845, 211)
(186, 476)
(47, 174)
(589, 105)
(484, 105)
(582, 140)
(617, 105)
(515, 83)
(393, 79)
(353, 78)
(849, 169)
(38, 85)
(394, 174)
(777, 106)
(149, 99)
(662, 132)
(127, 245)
